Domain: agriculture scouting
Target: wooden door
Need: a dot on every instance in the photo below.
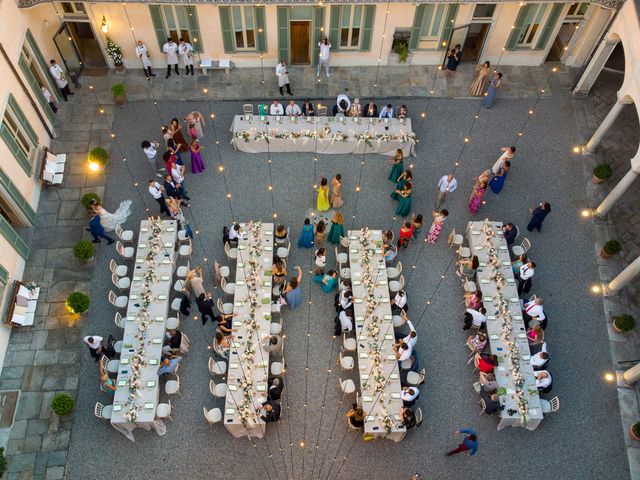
(300, 43)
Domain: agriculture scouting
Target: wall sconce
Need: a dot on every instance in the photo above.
(103, 26)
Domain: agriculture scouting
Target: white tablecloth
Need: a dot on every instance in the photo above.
(374, 403)
(146, 398)
(480, 246)
(238, 362)
(326, 127)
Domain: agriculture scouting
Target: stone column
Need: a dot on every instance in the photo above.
(624, 277)
(604, 126)
(616, 193)
(595, 66)
(631, 375)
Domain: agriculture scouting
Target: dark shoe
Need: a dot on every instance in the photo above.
(152, 74)
(187, 198)
(95, 241)
(71, 93)
(110, 242)
(168, 75)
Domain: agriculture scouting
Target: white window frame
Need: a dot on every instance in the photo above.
(19, 135)
(32, 61)
(352, 26)
(74, 7)
(574, 15)
(529, 38)
(243, 27)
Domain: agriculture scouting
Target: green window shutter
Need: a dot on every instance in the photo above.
(33, 83)
(449, 22)
(549, 26)
(367, 27)
(17, 197)
(414, 39)
(43, 64)
(318, 33)
(517, 28)
(283, 34)
(23, 121)
(261, 29)
(22, 160)
(227, 33)
(158, 25)
(8, 232)
(4, 275)
(194, 28)
(334, 27)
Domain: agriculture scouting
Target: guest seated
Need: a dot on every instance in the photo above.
(409, 395)
(544, 381)
(370, 110)
(356, 416)
(540, 360)
(276, 108)
(535, 335)
(387, 111)
(408, 418)
(402, 351)
(467, 268)
(356, 108)
(477, 318)
(412, 338)
(293, 110)
(307, 109)
(388, 248)
(169, 365)
(272, 343)
(328, 281)
(473, 300)
(534, 311)
(224, 323)
(270, 412)
(403, 112)
(172, 342)
(399, 303)
(344, 299)
(234, 233)
(518, 263)
(477, 343)
(342, 105)
(276, 385)
(108, 384)
(491, 402)
(510, 233)
(485, 362)
(281, 234)
(221, 344)
(489, 381)
(279, 272)
(344, 322)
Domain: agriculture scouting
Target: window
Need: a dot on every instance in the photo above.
(18, 135)
(484, 10)
(350, 25)
(532, 23)
(35, 71)
(176, 22)
(73, 9)
(432, 24)
(528, 32)
(243, 28)
(577, 10)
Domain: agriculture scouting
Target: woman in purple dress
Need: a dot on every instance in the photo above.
(477, 196)
(197, 165)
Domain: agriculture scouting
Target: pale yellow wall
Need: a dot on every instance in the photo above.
(588, 35)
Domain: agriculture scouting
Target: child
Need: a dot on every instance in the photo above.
(306, 237)
(321, 233)
(197, 165)
(321, 261)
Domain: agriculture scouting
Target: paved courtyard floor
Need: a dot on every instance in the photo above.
(584, 440)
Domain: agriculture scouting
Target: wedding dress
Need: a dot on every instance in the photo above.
(111, 220)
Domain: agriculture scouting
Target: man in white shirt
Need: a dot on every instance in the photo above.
(412, 338)
(345, 299)
(524, 278)
(94, 342)
(276, 108)
(403, 351)
(185, 50)
(293, 110)
(399, 302)
(155, 189)
(325, 47)
(342, 105)
(447, 184)
(540, 359)
(58, 75)
(49, 98)
(346, 321)
(543, 380)
(506, 155)
(534, 311)
(282, 74)
(171, 50)
(234, 232)
(478, 318)
(143, 55)
(150, 149)
(409, 396)
(178, 178)
(387, 111)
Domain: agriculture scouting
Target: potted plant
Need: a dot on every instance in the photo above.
(634, 431)
(89, 199)
(610, 248)
(84, 251)
(115, 54)
(601, 173)
(623, 323)
(402, 50)
(63, 404)
(98, 156)
(119, 93)
(77, 302)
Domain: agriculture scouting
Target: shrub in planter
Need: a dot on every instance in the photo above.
(610, 248)
(62, 404)
(89, 199)
(84, 250)
(99, 155)
(77, 302)
(624, 323)
(602, 172)
(119, 93)
(114, 52)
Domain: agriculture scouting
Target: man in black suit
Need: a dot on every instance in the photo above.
(270, 412)
(170, 188)
(510, 233)
(491, 402)
(205, 307)
(275, 389)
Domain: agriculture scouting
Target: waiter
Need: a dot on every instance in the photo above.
(171, 49)
(58, 74)
(143, 55)
(185, 50)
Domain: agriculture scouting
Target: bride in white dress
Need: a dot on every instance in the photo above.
(110, 221)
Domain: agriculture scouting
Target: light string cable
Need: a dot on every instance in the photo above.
(274, 215)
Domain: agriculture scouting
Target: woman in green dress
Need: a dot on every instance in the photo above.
(404, 205)
(406, 176)
(337, 229)
(398, 166)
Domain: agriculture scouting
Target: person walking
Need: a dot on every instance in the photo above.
(197, 120)
(497, 182)
(494, 84)
(282, 72)
(325, 48)
(185, 50)
(538, 215)
(150, 150)
(143, 55)
(58, 75)
(507, 154)
(49, 98)
(404, 203)
(323, 196)
(454, 57)
(398, 166)
(480, 80)
(469, 443)
(477, 195)
(155, 189)
(436, 226)
(337, 229)
(447, 184)
(170, 49)
(336, 194)
(97, 231)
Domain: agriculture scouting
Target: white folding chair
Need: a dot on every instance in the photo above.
(179, 286)
(277, 368)
(118, 302)
(183, 236)
(126, 253)
(219, 390)
(550, 406)
(175, 304)
(522, 248)
(122, 283)
(469, 286)
(213, 416)
(183, 270)
(396, 285)
(173, 322)
(164, 410)
(247, 108)
(119, 270)
(275, 328)
(228, 288)
(113, 366)
(346, 363)
(341, 258)
(103, 411)
(399, 320)
(394, 272)
(283, 252)
(171, 387)
(224, 308)
(349, 343)
(232, 253)
(124, 235)
(347, 386)
(344, 243)
(185, 250)
(345, 272)
(119, 320)
(118, 346)
(217, 368)
(419, 417)
(483, 406)
(416, 379)
(455, 239)
(221, 271)
(103, 362)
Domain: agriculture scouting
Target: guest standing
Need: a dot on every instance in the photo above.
(416, 222)
(197, 165)
(292, 293)
(61, 80)
(94, 342)
(323, 196)
(170, 49)
(447, 184)
(538, 215)
(405, 177)
(507, 154)
(337, 229)
(494, 84)
(150, 150)
(336, 194)
(185, 50)
(155, 189)
(436, 226)
(143, 55)
(306, 237)
(477, 196)
(321, 233)
(469, 443)
(497, 182)
(406, 234)
(49, 98)
(454, 57)
(178, 137)
(398, 166)
(325, 48)
(479, 81)
(404, 204)
(197, 119)
(282, 72)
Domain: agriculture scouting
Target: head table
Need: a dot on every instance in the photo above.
(505, 327)
(377, 364)
(137, 386)
(248, 362)
(327, 135)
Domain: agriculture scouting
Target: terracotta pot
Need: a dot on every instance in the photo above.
(604, 254)
(632, 434)
(597, 180)
(120, 99)
(120, 69)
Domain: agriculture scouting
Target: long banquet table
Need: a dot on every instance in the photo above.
(248, 361)
(378, 368)
(486, 240)
(144, 332)
(327, 135)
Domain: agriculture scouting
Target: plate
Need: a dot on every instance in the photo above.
(230, 411)
(367, 398)
(393, 376)
(117, 408)
(233, 388)
(153, 361)
(149, 405)
(151, 383)
(156, 341)
(395, 395)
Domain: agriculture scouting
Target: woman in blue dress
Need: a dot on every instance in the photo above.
(494, 84)
(328, 281)
(292, 293)
(306, 237)
(406, 176)
(398, 166)
(404, 205)
(497, 182)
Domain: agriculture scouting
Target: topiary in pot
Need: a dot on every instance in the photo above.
(119, 93)
(77, 302)
(62, 404)
(98, 156)
(84, 250)
(89, 199)
(602, 172)
(610, 248)
(623, 323)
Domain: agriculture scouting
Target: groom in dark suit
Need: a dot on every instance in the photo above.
(170, 188)
(97, 231)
